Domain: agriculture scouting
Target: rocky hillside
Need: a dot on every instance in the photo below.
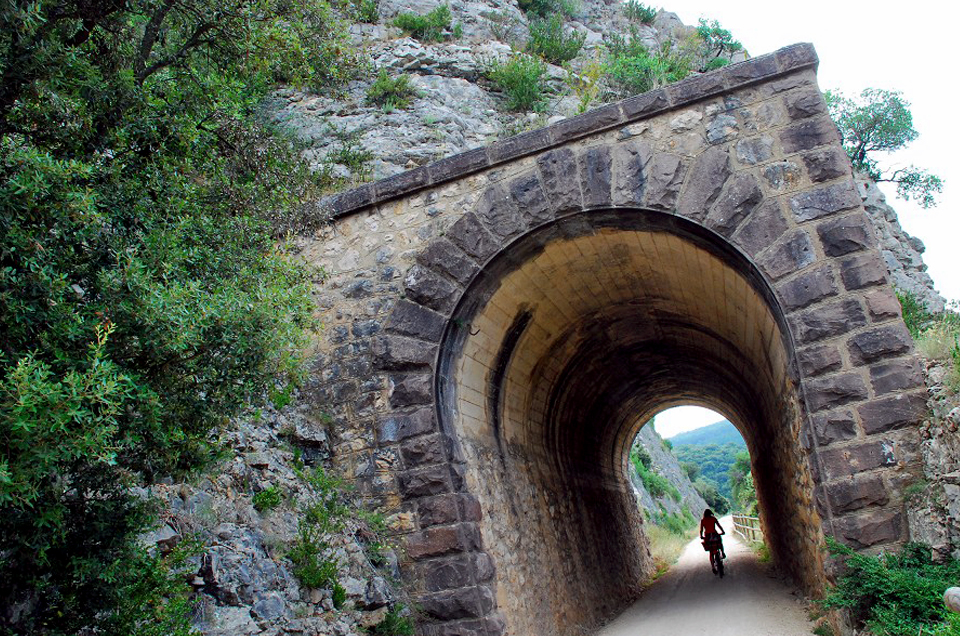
(665, 464)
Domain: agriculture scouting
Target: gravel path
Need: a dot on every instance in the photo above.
(689, 600)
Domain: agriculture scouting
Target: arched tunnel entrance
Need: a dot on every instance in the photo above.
(563, 346)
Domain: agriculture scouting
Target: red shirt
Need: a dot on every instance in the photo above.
(709, 525)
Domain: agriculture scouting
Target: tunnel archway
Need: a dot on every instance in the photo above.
(565, 344)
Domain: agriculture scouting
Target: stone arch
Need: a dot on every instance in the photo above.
(778, 311)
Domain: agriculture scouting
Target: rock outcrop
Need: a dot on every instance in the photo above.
(665, 463)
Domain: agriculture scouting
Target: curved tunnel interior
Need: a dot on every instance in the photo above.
(562, 348)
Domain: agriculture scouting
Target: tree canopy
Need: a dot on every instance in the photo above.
(145, 294)
(880, 121)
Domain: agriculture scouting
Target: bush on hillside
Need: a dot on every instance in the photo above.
(521, 79)
(638, 11)
(435, 26)
(549, 40)
(632, 68)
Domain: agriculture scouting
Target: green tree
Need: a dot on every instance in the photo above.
(741, 484)
(880, 121)
(145, 296)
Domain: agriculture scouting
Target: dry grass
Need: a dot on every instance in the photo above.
(666, 547)
(941, 341)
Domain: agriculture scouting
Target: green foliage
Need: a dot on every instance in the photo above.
(314, 563)
(717, 40)
(267, 499)
(391, 93)
(350, 153)
(714, 461)
(692, 470)
(678, 524)
(145, 292)
(394, 623)
(743, 490)
(880, 121)
(366, 10)
(638, 11)
(633, 69)
(549, 41)
(435, 26)
(894, 594)
(545, 8)
(521, 78)
(915, 314)
(711, 494)
(823, 629)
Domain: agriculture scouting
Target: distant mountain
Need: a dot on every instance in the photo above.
(723, 432)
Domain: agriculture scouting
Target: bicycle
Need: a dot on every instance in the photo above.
(712, 543)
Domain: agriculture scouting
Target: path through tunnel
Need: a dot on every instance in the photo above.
(567, 342)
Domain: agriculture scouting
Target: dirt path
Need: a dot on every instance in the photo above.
(689, 600)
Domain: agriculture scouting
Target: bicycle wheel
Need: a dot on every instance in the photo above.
(720, 565)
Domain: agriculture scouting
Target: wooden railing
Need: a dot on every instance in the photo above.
(748, 528)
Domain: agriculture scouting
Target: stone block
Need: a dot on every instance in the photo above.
(353, 199)
(819, 359)
(797, 56)
(519, 145)
(411, 389)
(558, 169)
(882, 304)
(424, 482)
(468, 602)
(443, 256)
(834, 426)
(846, 461)
(410, 319)
(855, 494)
(595, 176)
(499, 214)
(436, 541)
(440, 510)
(425, 450)
(754, 150)
(400, 426)
(589, 122)
(429, 289)
(402, 183)
(873, 528)
(645, 104)
(762, 228)
(394, 353)
(832, 391)
(470, 236)
(696, 88)
(846, 235)
(807, 288)
(865, 270)
(664, 175)
(899, 375)
(880, 342)
(827, 321)
(448, 574)
(469, 507)
(706, 179)
(458, 165)
(805, 103)
(721, 128)
(750, 71)
(899, 411)
(629, 162)
(788, 255)
(826, 164)
(809, 134)
(527, 194)
(815, 204)
(738, 200)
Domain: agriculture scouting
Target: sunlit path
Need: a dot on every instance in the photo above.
(690, 600)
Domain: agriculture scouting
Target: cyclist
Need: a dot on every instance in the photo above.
(709, 527)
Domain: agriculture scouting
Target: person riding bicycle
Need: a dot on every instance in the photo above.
(709, 534)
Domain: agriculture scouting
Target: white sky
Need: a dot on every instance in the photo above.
(877, 44)
(910, 47)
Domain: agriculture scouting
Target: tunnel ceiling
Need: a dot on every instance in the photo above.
(582, 338)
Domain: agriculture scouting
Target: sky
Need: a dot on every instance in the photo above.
(879, 44)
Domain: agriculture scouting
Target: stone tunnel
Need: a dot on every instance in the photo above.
(501, 323)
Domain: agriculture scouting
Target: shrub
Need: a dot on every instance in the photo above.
(633, 69)
(431, 27)
(367, 10)
(549, 41)
(544, 8)
(521, 78)
(391, 93)
(915, 314)
(314, 563)
(267, 499)
(636, 10)
(717, 41)
(394, 623)
(893, 594)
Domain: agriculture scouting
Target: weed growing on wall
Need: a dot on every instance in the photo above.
(632, 68)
